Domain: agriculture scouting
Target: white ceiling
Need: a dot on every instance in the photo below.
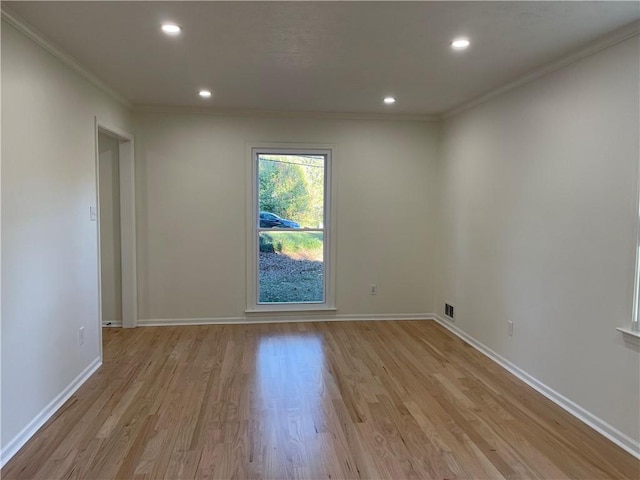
(318, 56)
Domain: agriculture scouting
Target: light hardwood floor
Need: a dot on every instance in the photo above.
(399, 400)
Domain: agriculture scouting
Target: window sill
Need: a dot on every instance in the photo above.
(296, 310)
(631, 336)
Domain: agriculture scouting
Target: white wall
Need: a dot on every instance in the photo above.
(110, 251)
(537, 223)
(538, 226)
(49, 246)
(191, 172)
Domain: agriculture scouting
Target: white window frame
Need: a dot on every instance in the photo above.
(633, 332)
(329, 304)
(635, 319)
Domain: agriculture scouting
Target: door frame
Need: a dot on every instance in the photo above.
(127, 223)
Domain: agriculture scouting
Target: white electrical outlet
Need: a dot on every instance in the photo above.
(510, 326)
(93, 213)
(373, 290)
(80, 335)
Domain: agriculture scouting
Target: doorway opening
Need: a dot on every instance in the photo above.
(110, 242)
(115, 178)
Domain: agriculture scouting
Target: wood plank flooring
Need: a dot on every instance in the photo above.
(398, 400)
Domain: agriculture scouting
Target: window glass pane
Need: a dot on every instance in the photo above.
(291, 267)
(291, 191)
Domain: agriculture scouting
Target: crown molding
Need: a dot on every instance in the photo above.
(617, 36)
(283, 113)
(629, 31)
(28, 31)
(22, 26)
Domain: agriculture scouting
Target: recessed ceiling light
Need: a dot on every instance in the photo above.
(204, 93)
(460, 44)
(389, 100)
(171, 29)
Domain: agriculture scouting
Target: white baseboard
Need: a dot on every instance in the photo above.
(289, 318)
(46, 413)
(616, 436)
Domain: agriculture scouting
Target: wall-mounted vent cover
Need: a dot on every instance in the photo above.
(448, 311)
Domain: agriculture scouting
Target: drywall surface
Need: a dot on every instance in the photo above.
(537, 225)
(110, 252)
(192, 171)
(49, 245)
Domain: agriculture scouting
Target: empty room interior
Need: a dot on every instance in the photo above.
(320, 240)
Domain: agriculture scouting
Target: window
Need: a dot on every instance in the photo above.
(635, 320)
(634, 330)
(290, 230)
